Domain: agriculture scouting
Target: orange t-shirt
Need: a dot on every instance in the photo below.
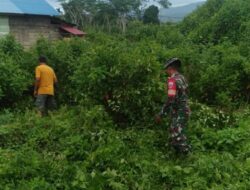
(47, 78)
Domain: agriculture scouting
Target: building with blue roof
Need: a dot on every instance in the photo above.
(28, 20)
(30, 7)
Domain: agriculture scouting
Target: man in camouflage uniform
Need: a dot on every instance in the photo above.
(177, 105)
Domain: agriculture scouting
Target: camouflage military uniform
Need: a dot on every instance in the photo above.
(177, 105)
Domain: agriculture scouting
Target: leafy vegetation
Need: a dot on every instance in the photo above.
(82, 148)
(110, 87)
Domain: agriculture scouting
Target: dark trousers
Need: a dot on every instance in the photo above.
(44, 103)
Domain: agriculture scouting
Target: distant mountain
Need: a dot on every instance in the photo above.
(176, 14)
(178, 3)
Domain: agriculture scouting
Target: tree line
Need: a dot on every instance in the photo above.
(111, 13)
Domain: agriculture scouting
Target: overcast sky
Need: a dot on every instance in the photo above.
(175, 3)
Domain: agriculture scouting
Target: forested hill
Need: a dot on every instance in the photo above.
(177, 14)
(219, 20)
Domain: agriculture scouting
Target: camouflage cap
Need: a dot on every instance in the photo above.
(173, 61)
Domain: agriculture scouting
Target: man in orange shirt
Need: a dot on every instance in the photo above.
(44, 87)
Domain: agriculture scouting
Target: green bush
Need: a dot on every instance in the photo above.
(212, 117)
(100, 65)
(124, 78)
(13, 79)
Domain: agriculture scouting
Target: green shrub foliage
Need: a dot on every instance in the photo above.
(14, 79)
(123, 77)
(82, 148)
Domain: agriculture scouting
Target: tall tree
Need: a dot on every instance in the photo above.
(79, 12)
(151, 15)
(105, 12)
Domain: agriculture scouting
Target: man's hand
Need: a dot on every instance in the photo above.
(56, 85)
(158, 119)
(36, 87)
(35, 93)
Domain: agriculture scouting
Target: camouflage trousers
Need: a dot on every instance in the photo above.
(178, 137)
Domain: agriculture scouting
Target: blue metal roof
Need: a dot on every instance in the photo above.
(32, 7)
